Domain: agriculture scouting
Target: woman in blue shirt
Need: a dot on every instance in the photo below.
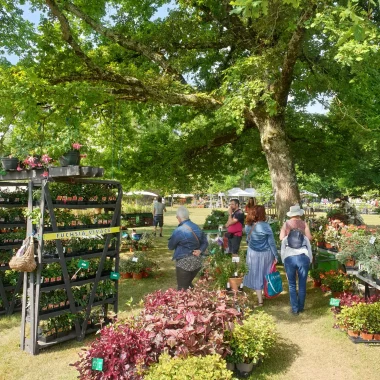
(261, 251)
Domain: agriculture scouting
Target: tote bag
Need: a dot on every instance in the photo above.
(273, 283)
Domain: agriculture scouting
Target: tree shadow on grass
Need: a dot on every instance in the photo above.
(281, 357)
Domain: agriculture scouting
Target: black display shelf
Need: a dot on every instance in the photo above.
(46, 287)
(12, 225)
(32, 313)
(12, 205)
(10, 306)
(63, 310)
(80, 255)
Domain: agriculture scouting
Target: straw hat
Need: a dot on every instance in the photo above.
(295, 210)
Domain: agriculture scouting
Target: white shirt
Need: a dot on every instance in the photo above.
(287, 251)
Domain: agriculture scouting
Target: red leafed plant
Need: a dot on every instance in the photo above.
(125, 349)
(190, 323)
(180, 322)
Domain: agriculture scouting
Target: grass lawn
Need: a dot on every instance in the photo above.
(309, 348)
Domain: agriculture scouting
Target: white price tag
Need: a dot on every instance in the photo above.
(135, 259)
(372, 240)
(236, 259)
(320, 228)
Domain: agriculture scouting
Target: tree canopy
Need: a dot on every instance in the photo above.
(178, 100)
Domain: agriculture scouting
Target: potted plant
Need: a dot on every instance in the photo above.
(137, 269)
(336, 281)
(251, 341)
(315, 274)
(9, 162)
(125, 268)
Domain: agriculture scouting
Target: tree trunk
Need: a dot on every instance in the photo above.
(280, 163)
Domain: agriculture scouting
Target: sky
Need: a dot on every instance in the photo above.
(162, 12)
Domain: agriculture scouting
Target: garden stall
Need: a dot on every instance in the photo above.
(77, 254)
(13, 201)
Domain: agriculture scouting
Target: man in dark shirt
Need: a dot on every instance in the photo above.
(234, 226)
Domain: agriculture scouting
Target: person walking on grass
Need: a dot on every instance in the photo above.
(296, 254)
(158, 215)
(234, 226)
(188, 242)
(261, 250)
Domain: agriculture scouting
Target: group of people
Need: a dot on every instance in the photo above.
(189, 242)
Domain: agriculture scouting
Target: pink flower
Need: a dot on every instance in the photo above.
(76, 146)
(46, 159)
(45, 174)
(19, 168)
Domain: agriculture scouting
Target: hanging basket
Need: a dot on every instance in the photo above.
(70, 158)
(24, 260)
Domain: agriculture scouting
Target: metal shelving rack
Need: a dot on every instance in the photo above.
(32, 282)
(10, 306)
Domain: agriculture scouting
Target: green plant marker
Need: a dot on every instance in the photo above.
(84, 264)
(97, 364)
(334, 302)
(114, 275)
(137, 219)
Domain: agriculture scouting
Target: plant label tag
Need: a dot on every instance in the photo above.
(334, 302)
(135, 259)
(114, 275)
(236, 259)
(83, 264)
(97, 364)
(372, 240)
(320, 228)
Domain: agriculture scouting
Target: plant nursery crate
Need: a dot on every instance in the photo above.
(327, 261)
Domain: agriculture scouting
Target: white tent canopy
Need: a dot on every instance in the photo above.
(141, 192)
(238, 192)
(305, 192)
(182, 195)
(252, 191)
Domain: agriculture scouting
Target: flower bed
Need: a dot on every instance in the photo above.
(182, 323)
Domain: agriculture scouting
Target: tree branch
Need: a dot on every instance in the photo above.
(135, 89)
(292, 53)
(126, 42)
(68, 37)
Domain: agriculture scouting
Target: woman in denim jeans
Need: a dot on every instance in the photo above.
(296, 263)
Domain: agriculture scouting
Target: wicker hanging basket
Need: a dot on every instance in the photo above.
(23, 260)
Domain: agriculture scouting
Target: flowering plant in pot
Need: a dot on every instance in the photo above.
(71, 157)
(251, 341)
(336, 281)
(315, 274)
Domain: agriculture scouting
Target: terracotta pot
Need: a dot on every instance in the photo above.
(376, 336)
(317, 283)
(336, 294)
(353, 333)
(366, 336)
(145, 274)
(328, 245)
(137, 276)
(131, 249)
(349, 263)
(320, 244)
(125, 275)
(235, 283)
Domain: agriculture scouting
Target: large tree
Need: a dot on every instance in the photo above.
(209, 74)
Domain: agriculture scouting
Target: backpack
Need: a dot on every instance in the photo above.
(296, 238)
